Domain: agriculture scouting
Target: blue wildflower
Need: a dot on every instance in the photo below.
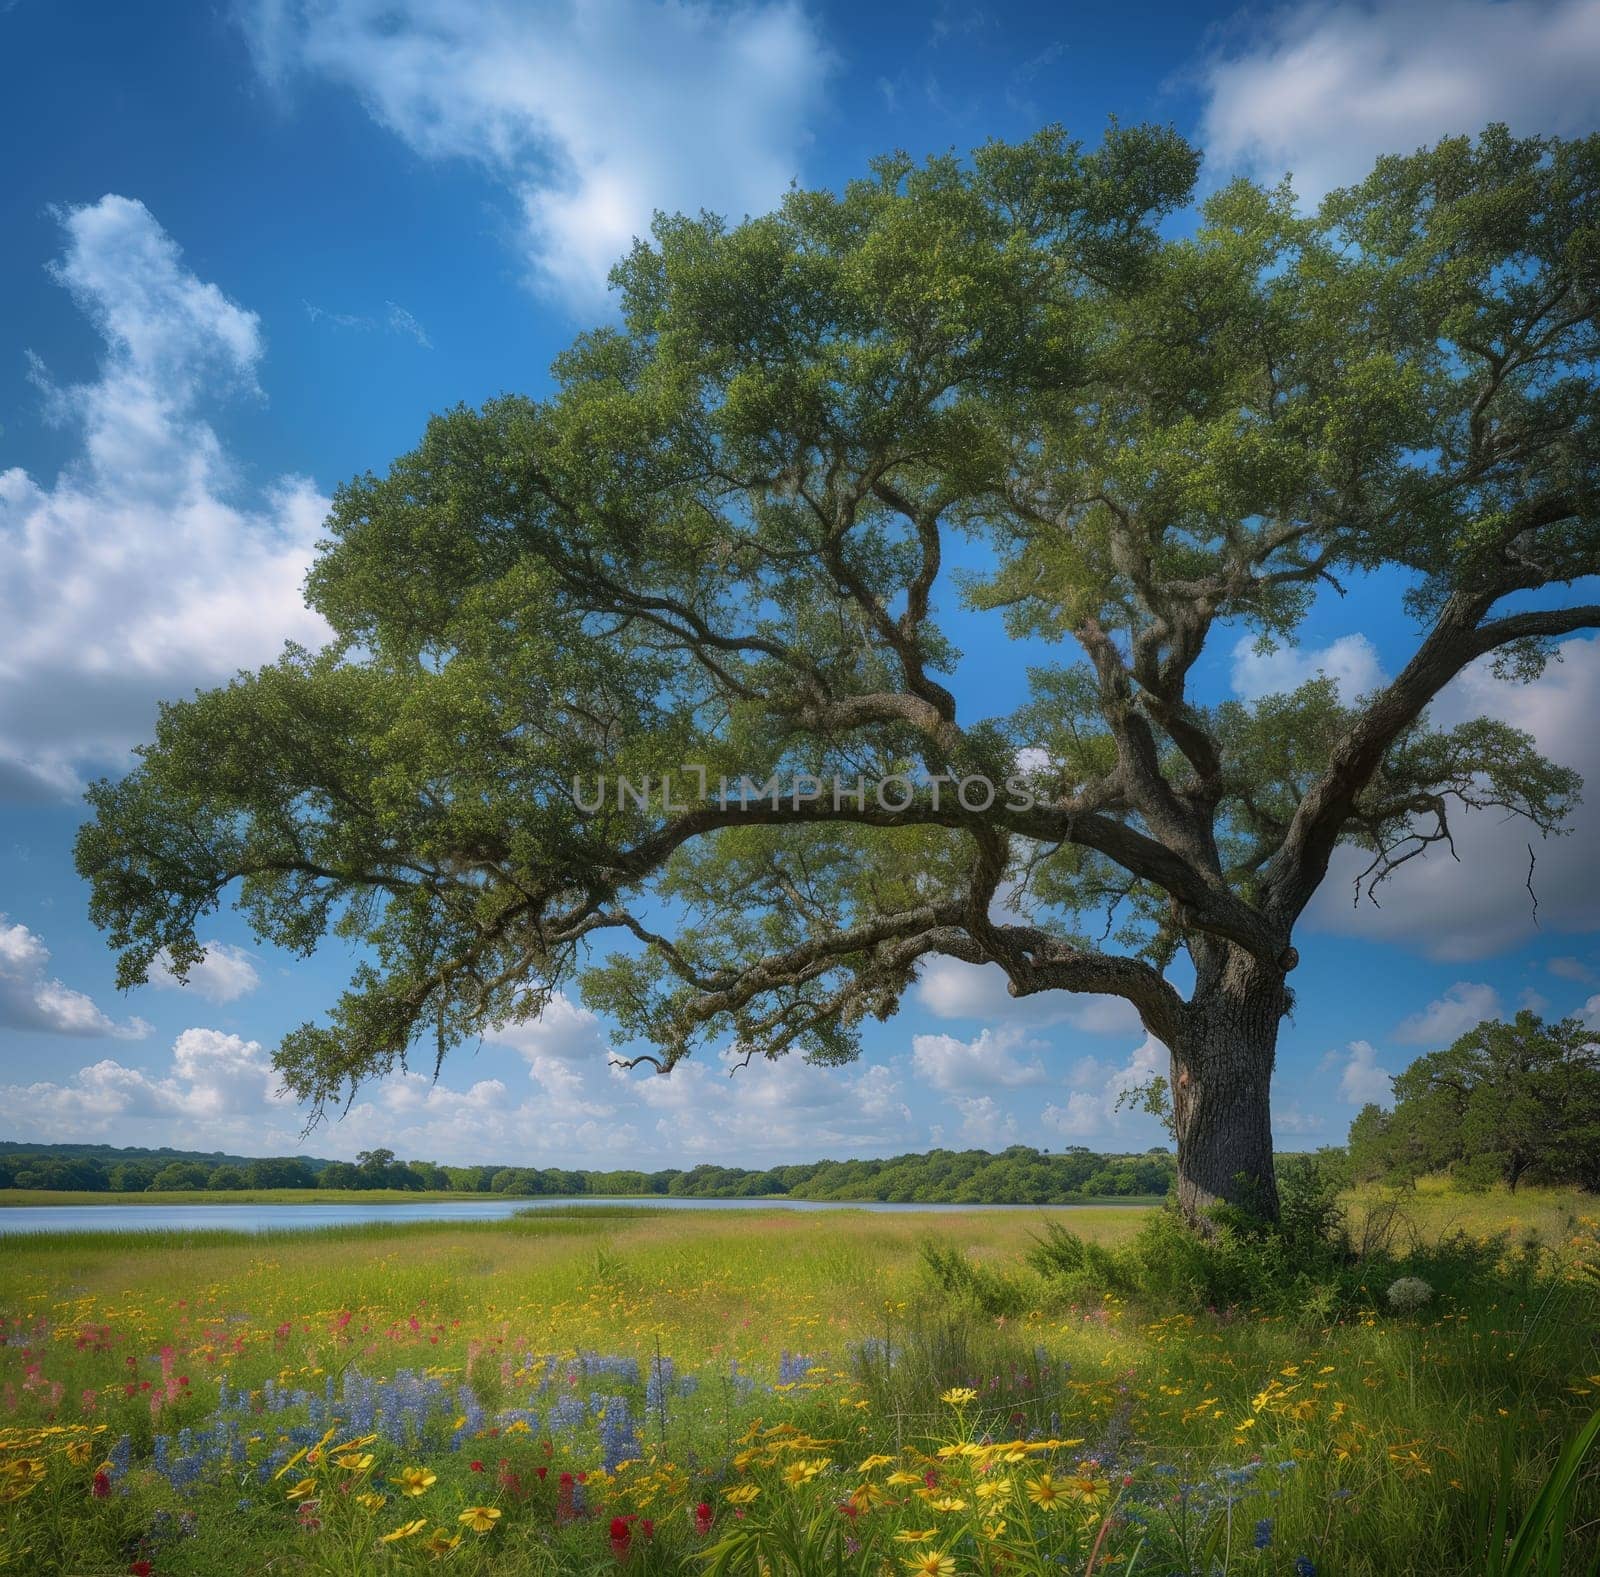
(1263, 1533)
(1303, 1567)
(618, 1440)
(793, 1367)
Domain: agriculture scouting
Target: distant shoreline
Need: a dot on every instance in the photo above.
(35, 1198)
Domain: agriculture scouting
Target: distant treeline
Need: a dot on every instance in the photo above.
(1018, 1175)
(1506, 1103)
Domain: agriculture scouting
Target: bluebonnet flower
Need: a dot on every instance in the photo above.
(471, 1417)
(663, 1372)
(596, 1366)
(1263, 1533)
(1303, 1566)
(120, 1455)
(566, 1412)
(184, 1472)
(793, 1367)
(618, 1440)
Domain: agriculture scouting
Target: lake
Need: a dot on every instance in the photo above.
(290, 1218)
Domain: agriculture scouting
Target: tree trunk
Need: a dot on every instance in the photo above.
(1221, 1084)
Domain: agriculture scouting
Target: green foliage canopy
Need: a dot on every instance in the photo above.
(718, 543)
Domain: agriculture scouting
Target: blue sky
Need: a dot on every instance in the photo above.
(250, 249)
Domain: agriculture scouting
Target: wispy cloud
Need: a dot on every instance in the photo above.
(592, 115)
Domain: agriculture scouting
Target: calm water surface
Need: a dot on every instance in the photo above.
(290, 1218)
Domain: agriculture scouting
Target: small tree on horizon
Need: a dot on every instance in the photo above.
(722, 542)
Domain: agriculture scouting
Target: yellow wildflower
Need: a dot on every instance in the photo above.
(406, 1530)
(293, 1461)
(931, 1563)
(304, 1490)
(742, 1494)
(959, 1396)
(481, 1519)
(355, 1461)
(874, 1461)
(915, 1535)
(415, 1480)
(1045, 1493)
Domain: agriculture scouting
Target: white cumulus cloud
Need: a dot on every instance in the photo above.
(225, 974)
(31, 998)
(1092, 1115)
(1447, 1017)
(132, 576)
(989, 1059)
(985, 1123)
(218, 1090)
(593, 115)
(1361, 1079)
(1351, 662)
(951, 989)
(1323, 89)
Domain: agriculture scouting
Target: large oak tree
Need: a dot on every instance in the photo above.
(722, 542)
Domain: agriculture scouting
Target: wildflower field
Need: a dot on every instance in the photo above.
(645, 1391)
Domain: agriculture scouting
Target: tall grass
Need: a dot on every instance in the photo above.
(1412, 1442)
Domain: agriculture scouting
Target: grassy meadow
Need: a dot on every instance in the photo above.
(621, 1389)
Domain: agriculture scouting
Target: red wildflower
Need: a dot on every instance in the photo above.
(101, 1488)
(702, 1519)
(477, 1467)
(649, 1528)
(621, 1537)
(141, 1569)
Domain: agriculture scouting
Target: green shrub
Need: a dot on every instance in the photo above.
(970, 1284)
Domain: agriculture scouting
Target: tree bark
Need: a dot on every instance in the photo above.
(1221, 1086)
